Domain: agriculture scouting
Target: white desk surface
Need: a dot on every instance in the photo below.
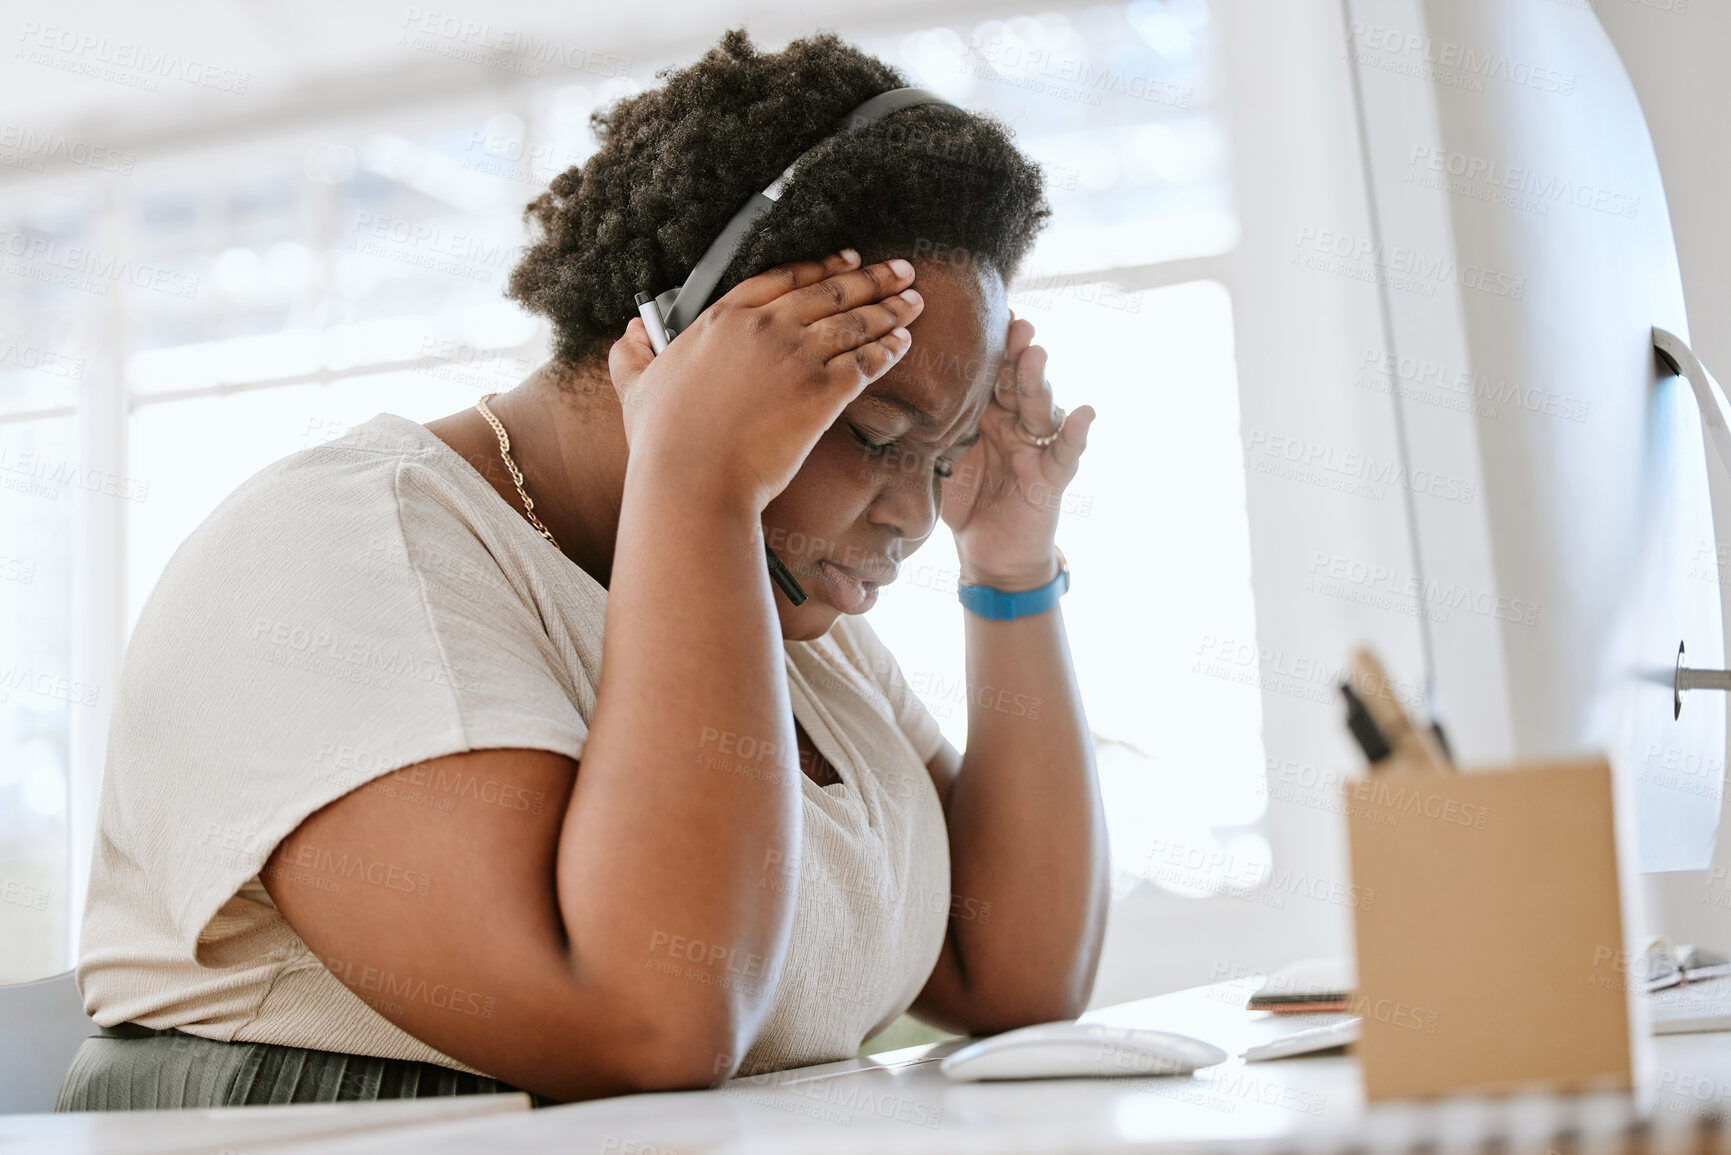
(900, 1102)
(234, 1130)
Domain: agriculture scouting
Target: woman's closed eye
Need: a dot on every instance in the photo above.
(881, 448)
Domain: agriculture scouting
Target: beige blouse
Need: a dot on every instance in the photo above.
(370, 604)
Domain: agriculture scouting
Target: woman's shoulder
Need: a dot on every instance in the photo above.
(337, 496)
(355, 522)
(368, 568)
(368, 462)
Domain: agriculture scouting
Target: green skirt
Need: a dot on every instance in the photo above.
(133, 1068)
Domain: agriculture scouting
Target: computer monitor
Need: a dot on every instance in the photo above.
(1525, 257)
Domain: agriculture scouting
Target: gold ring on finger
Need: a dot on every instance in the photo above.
(1039, 441)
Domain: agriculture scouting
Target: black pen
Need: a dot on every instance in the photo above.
(778, 573)
(1363, 727)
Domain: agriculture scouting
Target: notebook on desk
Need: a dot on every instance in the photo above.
(1693, 996)
(1703, 1005)
(1308, 986)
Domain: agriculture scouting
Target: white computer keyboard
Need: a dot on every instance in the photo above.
(1702, 1006)
(1323, 1032)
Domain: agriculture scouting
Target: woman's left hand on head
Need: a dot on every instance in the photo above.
(1003, 498)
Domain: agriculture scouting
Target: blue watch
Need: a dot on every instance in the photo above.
(1003, 606)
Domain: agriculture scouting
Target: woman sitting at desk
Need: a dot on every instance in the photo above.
(378, 819)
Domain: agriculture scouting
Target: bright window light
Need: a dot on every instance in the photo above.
(1157, 533)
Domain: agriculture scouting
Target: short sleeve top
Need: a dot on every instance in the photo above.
(368, 605)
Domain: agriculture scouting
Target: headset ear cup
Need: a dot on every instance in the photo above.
(654, 324)
(664, 306)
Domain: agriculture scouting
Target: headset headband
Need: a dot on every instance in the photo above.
(679, 306)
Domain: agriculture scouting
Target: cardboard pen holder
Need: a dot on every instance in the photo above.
(1493, 928)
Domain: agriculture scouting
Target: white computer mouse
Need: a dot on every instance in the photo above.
(1080, 1051)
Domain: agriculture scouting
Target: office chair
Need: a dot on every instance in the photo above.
(41, 1025)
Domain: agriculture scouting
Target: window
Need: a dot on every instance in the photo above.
(174, 329)
(37, 692)
(1121, 107)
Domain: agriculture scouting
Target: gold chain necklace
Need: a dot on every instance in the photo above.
(516, 474)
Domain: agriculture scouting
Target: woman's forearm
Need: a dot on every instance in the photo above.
(1027, 833)
(689, 781)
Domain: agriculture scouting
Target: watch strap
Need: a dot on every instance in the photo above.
(1005, 605)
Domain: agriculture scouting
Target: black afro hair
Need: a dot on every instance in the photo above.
(676, 162)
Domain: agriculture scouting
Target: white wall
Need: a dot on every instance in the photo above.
(1676, 60)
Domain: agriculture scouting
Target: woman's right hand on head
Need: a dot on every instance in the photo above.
(736, 402)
